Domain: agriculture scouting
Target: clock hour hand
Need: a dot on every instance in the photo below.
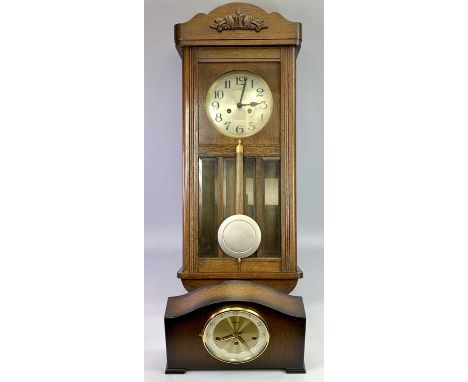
(251, 104)
(228, 337)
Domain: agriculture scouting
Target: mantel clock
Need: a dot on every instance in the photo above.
(239, 195)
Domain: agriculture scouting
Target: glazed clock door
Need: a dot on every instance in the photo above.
(241, 102)
(261, 202)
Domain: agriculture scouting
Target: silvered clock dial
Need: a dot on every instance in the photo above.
(239, 104)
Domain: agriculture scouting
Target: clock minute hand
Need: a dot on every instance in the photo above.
(239, 338)
(239, 104)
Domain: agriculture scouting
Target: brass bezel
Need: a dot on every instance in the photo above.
(236, 308)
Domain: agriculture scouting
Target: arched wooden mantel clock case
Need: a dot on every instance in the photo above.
(239, 211)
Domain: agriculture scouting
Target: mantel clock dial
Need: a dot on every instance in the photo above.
(235, 335)
(239, 104)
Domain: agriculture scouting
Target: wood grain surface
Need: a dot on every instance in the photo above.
(206, 54)
(198, 30)
(186, 316)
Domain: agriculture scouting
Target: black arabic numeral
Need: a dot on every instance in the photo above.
(218, 117)
(240, 130)
(260, 92)
(219, 94)
(215, 105)
(241, 80)
(227, 124)
(227, 84)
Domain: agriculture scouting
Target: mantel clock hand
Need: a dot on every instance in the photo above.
(242, 341)
(225, 338)
(228, 337)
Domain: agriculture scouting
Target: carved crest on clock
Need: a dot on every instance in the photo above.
(238, 21)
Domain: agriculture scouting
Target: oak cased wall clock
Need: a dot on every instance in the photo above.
(239, 195)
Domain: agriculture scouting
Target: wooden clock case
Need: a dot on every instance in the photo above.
(243, 37)
(187, 314)
(210, 45)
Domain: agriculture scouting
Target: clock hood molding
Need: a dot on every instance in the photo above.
(237, 24)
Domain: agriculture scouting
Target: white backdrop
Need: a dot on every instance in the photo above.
(163, 174)
(71, 195)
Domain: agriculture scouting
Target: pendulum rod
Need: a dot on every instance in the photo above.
(239, 185)
(239, 178)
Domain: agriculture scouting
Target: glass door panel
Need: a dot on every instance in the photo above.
(207, 208)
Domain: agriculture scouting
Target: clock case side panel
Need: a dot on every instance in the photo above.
(190, 159)
(288, 158)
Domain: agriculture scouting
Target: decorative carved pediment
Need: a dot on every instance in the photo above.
(239, 21)
(237, 24)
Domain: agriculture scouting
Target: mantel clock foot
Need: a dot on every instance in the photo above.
(301, 370)
(175, 371)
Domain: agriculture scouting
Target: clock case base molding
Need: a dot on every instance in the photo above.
(283, 281)
(187, 314)
(302, 370)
